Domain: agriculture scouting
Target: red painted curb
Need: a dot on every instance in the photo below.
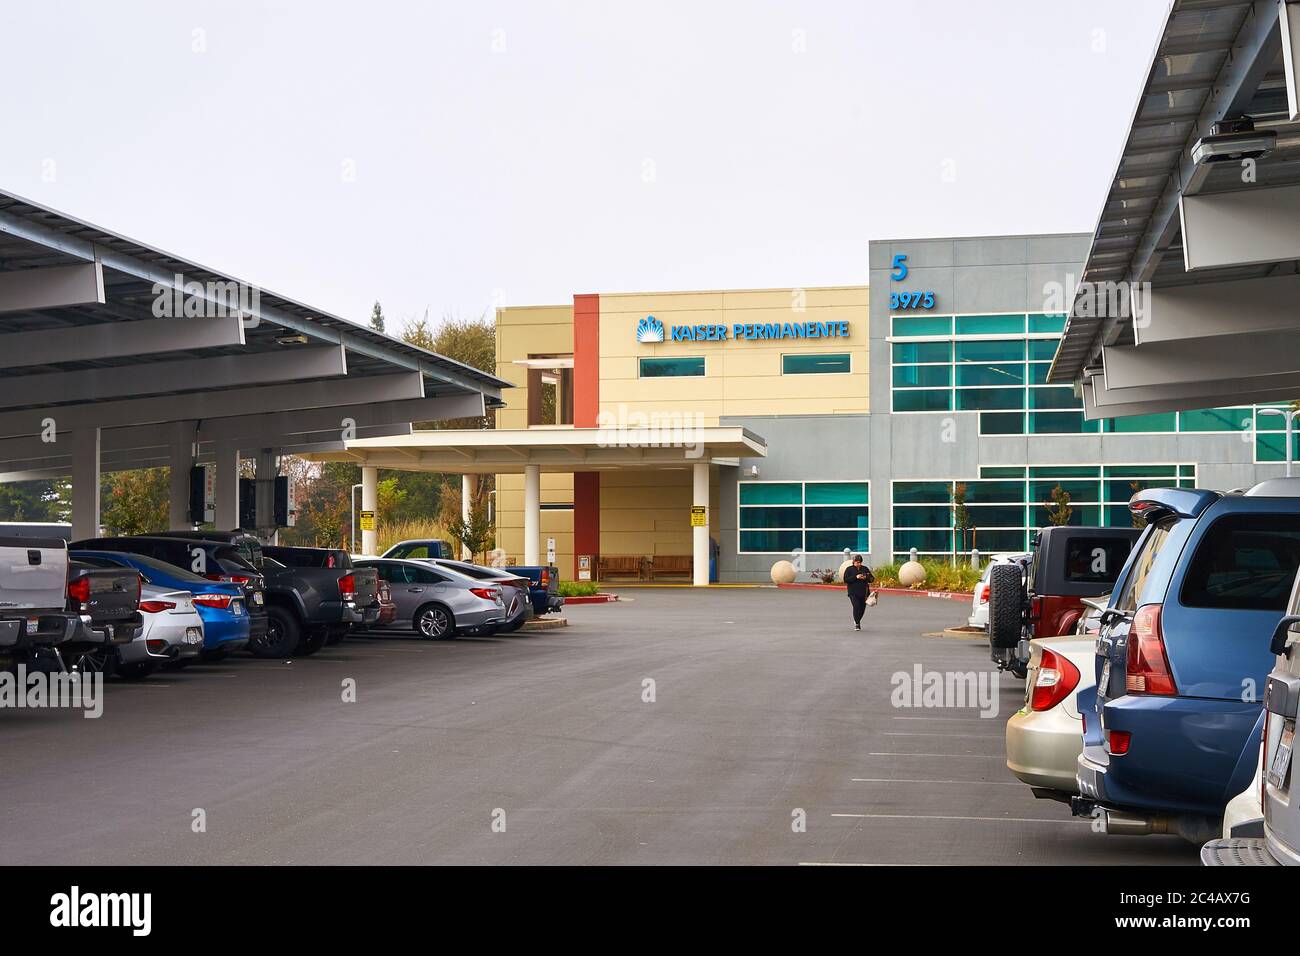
(942, 595)
(591, 599)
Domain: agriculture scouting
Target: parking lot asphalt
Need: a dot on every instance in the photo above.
(767, 709)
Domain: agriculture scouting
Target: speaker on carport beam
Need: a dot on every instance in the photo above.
(198, 493)
(247, 504)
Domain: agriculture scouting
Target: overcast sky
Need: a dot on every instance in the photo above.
(457, 156)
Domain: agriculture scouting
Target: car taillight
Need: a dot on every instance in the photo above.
(219, 601)
(79, 590)
(1117, 742)
(348, 586)
(487, 594)
(982, 593)
(1147, 670)
(153, 607)
(239, 579)
(546, 577)
(1036, 608)
(1055, 679)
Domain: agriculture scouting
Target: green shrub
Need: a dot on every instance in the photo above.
(940, 575)
(578, 588)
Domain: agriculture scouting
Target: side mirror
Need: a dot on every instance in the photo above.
(1278, 644)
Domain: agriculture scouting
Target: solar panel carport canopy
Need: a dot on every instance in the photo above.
(119, 355)
(1212, 328)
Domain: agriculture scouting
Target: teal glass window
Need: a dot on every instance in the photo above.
(1002, 423)
(997, 516)
(804, 363)
(1047, 323)
(836, 493)
(932, 541)
(1216, 420)
(999, 471)
(990, 324)
(1060, 423)
(674, 367)
(1004, 374)
(771, 493)
(1042, 350)
(989, 399)
(922, 516)
(924, 376)
(771, 541)
(1038, 372)
(981, 491)
(912, 325)
(1053, 397)
(912, 353)
(922, 400)
(1009, 350)
(814, 516)
(922, 492)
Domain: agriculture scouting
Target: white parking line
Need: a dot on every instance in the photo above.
(907, 816)
(974, 715)
(892, 753)
(895, 733)
(990, 783)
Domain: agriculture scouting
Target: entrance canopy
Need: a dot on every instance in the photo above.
(507, 451)
(1188, 298)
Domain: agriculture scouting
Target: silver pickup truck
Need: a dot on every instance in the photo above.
(33, 598)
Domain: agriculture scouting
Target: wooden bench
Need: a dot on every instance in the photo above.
(671, 565)
(620, 565)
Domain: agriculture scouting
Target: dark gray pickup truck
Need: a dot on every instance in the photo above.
(319, 594)
(107, 604)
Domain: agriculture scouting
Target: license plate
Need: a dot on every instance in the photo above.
(236, 608)
(257, 597)
(193, 635)
(33, 625)
(1282, 756)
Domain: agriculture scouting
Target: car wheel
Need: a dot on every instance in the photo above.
(311, 642)
(281, 636)
(434, 622)
(138, 671)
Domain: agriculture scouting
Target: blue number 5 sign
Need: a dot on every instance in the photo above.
(900, 268)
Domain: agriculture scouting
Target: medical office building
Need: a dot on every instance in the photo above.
(845, 417)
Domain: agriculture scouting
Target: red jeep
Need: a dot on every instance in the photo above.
(1046, 598)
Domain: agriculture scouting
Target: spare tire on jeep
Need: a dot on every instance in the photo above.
(1006, 605)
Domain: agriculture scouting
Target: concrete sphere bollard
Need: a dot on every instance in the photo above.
(839, 575)
(911, 574)
(783, 573)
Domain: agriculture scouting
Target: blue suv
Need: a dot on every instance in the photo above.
(1183, 655)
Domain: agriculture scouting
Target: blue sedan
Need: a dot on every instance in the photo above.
(220, 604)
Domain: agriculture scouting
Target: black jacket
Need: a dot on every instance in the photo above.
(858, 580)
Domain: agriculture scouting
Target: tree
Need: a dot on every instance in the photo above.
(136, 502)
(377, 317)
(29, 501)
(471, 342)
(960, 517)
(475, 535)
(1059, 511)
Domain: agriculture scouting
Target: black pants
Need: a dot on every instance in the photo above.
(859, 602)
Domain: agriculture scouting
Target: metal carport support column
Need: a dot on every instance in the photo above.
(180, 460)
(532, 514)
(85, 483)
(370, 502)
(700, 534)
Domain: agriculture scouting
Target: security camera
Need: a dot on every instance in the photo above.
(1233, 140)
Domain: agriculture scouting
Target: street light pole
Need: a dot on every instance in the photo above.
(1289, 415)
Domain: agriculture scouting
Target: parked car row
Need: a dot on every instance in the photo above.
(128, 605)
(1149, 715)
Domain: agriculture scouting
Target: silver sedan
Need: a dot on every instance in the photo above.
(172, 633)
(438, 602)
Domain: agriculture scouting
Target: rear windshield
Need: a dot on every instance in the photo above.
(1095, 560)
(1143, 561)
(1245, 562)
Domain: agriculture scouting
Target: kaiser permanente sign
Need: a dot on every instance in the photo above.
(651, 329)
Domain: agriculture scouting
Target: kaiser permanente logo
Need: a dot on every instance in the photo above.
(651, 329)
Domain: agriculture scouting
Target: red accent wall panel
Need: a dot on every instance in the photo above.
(586, 410)
(586, 360)
(586, 517)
